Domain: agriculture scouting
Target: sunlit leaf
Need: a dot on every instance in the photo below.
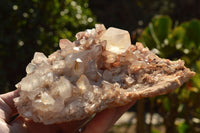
(182, 127)
(166, 104)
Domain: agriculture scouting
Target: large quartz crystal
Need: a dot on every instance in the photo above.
(100, 70)
(117, 40)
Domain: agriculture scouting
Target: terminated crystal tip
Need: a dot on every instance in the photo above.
(118, 40)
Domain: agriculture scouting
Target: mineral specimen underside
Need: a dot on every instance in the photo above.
(100, 70)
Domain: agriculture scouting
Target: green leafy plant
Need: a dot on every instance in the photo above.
(173, 41)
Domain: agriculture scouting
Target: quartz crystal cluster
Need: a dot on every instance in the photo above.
(100, 70)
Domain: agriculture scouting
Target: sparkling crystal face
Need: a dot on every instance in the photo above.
(100, 69)
(118, 40)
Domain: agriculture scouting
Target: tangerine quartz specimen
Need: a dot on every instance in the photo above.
(100, 70)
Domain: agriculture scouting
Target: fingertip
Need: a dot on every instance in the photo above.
(8, 98)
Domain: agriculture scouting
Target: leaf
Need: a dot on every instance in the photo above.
(183, 127)
(196, 81)
(162, 26)
(166, 104)
(156, 35)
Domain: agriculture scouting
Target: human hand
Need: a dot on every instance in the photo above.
(99, 124)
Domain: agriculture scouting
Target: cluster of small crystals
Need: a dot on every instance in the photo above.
(88, 75)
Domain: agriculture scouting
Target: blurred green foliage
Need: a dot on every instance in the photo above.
(182, 127)
(180, 41)
(36, 25)
(173, 41)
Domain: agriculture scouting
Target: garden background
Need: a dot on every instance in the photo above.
(169, 27)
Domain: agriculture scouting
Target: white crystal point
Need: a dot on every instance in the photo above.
(46, 98)
(30, 68)
(64, 43)
(83, 83)
(64, 88)
(118, 40)
(39, 58)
